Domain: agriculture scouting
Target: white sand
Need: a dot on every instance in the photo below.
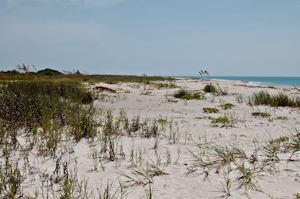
(280, 179)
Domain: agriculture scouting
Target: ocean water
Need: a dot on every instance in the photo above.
(259, 81)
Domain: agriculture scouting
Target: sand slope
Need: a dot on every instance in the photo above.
(180, 174)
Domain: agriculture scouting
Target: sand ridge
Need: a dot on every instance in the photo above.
(182, 160)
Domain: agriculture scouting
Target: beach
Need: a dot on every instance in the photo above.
(179, 148)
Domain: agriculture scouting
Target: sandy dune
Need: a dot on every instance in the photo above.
(186, 130)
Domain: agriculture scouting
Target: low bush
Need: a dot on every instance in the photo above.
(209, 88)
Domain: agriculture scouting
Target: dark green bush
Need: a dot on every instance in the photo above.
(210, 88)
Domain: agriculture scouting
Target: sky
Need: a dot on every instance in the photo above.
(153, 37)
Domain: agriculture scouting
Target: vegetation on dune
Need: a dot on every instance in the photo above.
(210, 110)
(280, 99)
(45, 114)
(227, 106)
(50, 111)
(33, 104)
(184, 94)
(209, 88)
(49, 72)
(23, 72)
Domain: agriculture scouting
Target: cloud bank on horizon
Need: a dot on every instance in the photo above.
(154, 37)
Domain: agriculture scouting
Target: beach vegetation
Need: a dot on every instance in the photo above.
(149, 192)
(247, 177)
(169, 85)
(239, 99)
(45, 121)
(280, 99)
(295, 142)
(227, 106)
(260, 114)
(184, 94)
(210, 88)
(217, 90)
(282, 118)
(297, 195)
(26, 73)
(107, 192)
(226, 185)
(210, 110)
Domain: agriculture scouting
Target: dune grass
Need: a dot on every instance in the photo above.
(184, 94)
(280, 99)
(53, 113)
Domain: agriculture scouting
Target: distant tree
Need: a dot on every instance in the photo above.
(13, 72)
(49, 72)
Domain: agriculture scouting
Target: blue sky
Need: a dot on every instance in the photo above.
(153, 37)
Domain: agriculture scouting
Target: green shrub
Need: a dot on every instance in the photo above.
(183, 94)
(209, 88)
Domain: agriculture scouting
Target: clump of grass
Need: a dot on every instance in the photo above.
(162, 85)
(184, 94)
(247, 177)
(295, 142)
(204, 117)
(210, 110)
(227, 120)
(297, 195)
(260, 114)
(222, 91)
(227, 185)
(10, 178)
(227, 106)
(280, 99)
(224, 120)
(282, 118)
(210, 88)
(170, 84)
(107, 193)
(239, 99)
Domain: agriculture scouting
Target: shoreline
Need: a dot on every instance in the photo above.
(254, 80)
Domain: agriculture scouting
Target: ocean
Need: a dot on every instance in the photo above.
(259, 81)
